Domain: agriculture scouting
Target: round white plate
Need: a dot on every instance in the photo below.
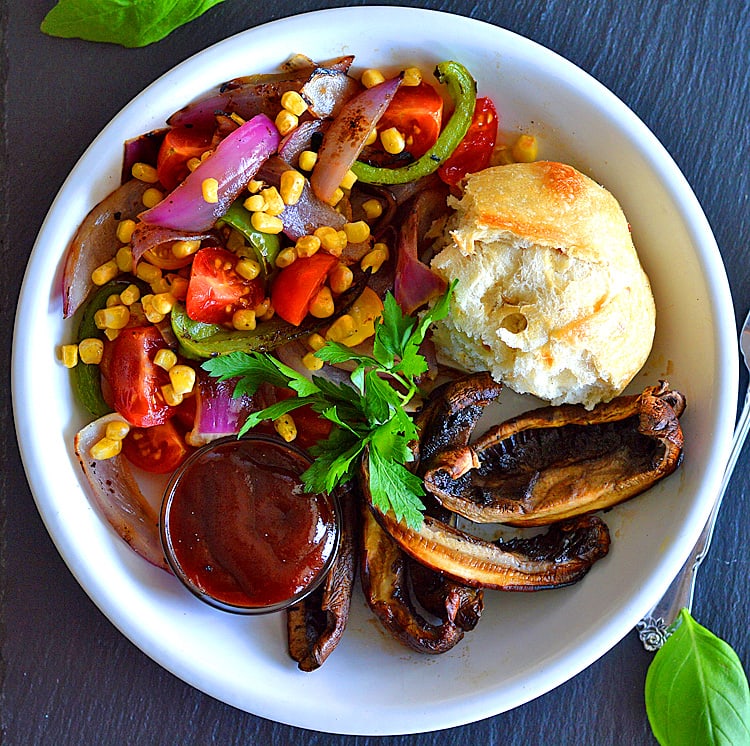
(525, 644)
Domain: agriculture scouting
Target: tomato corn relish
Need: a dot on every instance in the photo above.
(267, 216)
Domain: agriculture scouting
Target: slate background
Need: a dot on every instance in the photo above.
(68, 676)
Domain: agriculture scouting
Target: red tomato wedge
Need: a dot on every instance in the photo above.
(180, 144)
(215, 291)
(134, 382)
(475, 150)
(296, 285)
(159, 449)
(416, 112)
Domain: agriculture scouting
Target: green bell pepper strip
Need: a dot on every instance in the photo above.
(86, 377)
(266, 246)
(463, 90)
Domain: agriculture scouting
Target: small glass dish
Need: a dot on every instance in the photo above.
(239, 531)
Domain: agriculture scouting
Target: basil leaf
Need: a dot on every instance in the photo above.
(131, 23)
(696, 690)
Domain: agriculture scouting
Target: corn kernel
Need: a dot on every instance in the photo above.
(113, 300)
(286, 257)
(373, 260)
(306, 246)
(144, 172)
(105, 448)
(193, 163)
(69, 355)
(105, 272)
(372, 136)
(357, 232)
(262, 308)
(294, 103)
(254, 186)
(116, 317)
(130, 295)
(90, 350)
(392, 141)
(311, 362)
(182, 378)
(268, 311)
(337, 196)
(412, 76)
(111, 334)
(237, 119)
(171, 397)
(316, 341)
(292, 186)
(149, 311)
(341, 328)
(206, 154)
(285, 427)
(165, 358)
(116, 430)
(340, 278)
(152, 197)
(178, 287)
(333, 241)
(371, 77)
(285, 122)
(255, 203)
(274, 202)
(163, 302)
(249, 269)
(125, 230)
(266, 223)
(307, 160)
(160, 286)
(349, 180)
(184, 249)
(321, 306)
(525, 149)
(210, 190)
(244, 320)
(373, 209)
(147, 272)
(124, 259)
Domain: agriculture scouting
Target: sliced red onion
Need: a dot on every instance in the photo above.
(141, 149)
(308, 213)
(233, 164)
(327, 91)
(345, 138)
(147, 236)
(218, 413)
(116, 494)
(415, 283)
(94, 240)
(298, 140)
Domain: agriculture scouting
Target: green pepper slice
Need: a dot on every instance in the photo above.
(266, 246)
(463, 90)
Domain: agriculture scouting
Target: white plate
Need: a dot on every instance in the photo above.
(526, 644)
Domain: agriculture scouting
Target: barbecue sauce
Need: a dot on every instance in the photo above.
(240, 531)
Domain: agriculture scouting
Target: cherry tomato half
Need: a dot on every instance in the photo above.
(416, 112)
(215, 291)
(475, 150)
(296, 285)
(133, 381)
(180, 144)
(159, 449)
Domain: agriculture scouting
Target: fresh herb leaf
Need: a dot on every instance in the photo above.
(369, 413)
(394, 487)
(131, 23)
(696, 689)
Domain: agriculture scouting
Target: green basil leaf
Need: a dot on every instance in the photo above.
(131, 23)
(696, 689)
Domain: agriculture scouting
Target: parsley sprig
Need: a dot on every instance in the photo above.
(368, 412)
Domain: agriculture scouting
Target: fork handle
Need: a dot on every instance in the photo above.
(653, 629)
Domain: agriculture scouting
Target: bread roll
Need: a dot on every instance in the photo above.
(551, 298)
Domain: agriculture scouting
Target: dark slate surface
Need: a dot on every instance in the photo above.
(68, 676)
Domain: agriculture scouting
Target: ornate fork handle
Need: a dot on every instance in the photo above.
(653, 629)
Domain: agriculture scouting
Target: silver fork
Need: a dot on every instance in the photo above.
(653, 628)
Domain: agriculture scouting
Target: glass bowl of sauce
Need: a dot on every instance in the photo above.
(240, 532)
